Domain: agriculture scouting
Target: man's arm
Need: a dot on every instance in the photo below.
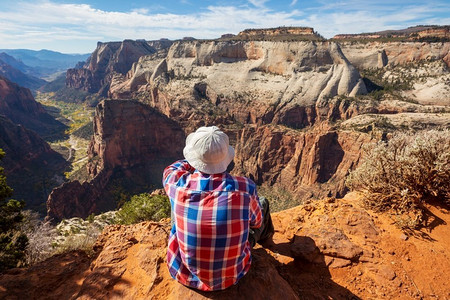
(255, 212)
(173, 173)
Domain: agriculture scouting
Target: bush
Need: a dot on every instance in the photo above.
(144, 207)
(12, 240)
(404, 173)
(41, 236)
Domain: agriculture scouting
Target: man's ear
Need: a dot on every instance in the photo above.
(230, 166)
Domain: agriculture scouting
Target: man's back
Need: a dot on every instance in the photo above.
(208, 245)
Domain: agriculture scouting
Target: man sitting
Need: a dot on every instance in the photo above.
(217, 218)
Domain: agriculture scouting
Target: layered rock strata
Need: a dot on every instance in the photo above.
(109, 59)
(243, 81)
(308, 164)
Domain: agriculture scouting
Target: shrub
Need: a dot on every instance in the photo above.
(12, 240)
(80, 240)
(404, 173)
(144, 207)
(41, 236)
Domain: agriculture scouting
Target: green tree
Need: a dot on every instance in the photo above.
(144, 207)
(12, 241)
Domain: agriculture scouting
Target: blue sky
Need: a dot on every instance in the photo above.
(75, 26)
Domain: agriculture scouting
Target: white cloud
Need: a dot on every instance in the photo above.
(293, 2)
(258, 3)
(49, 24)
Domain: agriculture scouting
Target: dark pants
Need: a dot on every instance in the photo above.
(263, 233)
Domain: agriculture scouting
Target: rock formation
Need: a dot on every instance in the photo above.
(130, 140)
(287, 105)
(309, 164)
(280, 31)
(366, 55)
(18, 105)
(328, 249)
(410, 33)
(243, 81)
(32, 168)
(108, 59)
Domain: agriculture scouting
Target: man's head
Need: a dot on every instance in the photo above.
(208, 150)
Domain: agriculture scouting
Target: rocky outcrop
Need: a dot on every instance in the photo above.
(31, 166)
(367, 55)
(18, 105)
(280, 31)
(328, 249)
(308, 164)
(242, 81)
(109, 59)
(131, 140)
(410, 33)
(129, 133)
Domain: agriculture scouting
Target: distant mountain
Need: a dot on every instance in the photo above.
(18, 64)
(46, 62)
(14, 71)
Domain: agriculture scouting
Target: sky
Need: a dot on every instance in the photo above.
(75, 26)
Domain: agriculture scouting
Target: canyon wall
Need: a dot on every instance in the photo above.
(288, 106)
(109, 58)
(132, 142)
(32, 168)
(18, 104)
(248, 82)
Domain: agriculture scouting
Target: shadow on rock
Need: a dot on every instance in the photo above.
(306, 277)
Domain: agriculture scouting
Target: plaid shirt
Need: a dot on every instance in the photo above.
(208, 244)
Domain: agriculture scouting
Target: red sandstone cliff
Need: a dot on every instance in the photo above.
(328, 249)
(131, 140)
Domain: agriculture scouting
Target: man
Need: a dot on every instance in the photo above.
(212, 214)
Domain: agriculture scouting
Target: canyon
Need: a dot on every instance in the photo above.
(297, 111)
(300, 112)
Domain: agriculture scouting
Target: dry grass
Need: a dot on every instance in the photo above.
(403, 174)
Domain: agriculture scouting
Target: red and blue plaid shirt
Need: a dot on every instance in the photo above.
(208, 244)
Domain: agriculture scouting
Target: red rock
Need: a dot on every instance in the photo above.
(130, 263)
(131, 139)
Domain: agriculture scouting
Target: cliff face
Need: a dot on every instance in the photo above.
(258, 91)
(18, 105)
(366, 55)
(243, 81)
(410, 33)
(309, 164)
(328, 249)
(131, 142)
(249, 33)
(108, 59)
(32, 168)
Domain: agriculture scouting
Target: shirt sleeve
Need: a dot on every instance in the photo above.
(255, 212)
(176, 172)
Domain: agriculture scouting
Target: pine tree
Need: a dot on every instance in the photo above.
(12, 241)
